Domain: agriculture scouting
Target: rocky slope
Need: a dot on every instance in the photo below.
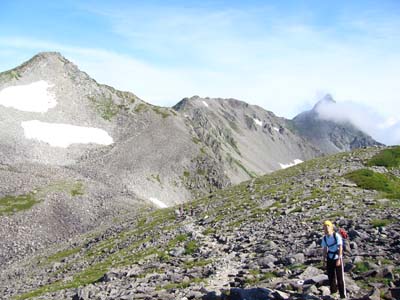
(327, 135)
(42, 205)
(247, 140)
(256, 240)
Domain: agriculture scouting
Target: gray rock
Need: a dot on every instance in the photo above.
(177, 252)
(310, 272)
(247, 294)
(267, 261)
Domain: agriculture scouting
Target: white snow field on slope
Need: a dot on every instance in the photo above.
(258, 122)
(158, 202)
(205, 103)
(295, 162)
(63, 135)
(33, 97)
(276, 129)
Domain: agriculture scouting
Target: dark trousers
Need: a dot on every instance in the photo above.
(335, 274)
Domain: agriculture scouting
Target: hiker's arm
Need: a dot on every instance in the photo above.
(339, 261)
(324, 254)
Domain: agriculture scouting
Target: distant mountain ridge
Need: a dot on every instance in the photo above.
(125, 154)
(197, 145)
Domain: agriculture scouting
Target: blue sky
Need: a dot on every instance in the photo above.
(281, 55)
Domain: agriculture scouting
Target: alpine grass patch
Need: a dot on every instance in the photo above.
(370, 180)
(105, 106)
(361, 267)
(13, 204)
(381, 222)
(389, 158)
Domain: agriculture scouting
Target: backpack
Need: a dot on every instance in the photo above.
(345, 240)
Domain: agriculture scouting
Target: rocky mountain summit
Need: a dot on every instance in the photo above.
(327, 135)
(256, 240)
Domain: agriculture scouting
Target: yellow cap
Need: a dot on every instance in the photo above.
(328, 223)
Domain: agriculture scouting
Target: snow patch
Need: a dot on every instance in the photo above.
(295, 162)
(205, 103)
(33, 97)
(276, 129)
(158, 202)
(63, 135)
(257, 121)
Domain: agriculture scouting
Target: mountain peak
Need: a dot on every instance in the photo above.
(327, 99)
(49, 54)
(46, 57)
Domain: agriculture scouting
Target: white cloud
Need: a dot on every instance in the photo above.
(384, 130)
(267, 58)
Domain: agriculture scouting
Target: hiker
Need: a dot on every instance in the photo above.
(332, 244)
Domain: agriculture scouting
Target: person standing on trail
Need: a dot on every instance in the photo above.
(332, 244)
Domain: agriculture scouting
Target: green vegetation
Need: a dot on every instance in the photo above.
(389, 158)
(90, 275)
(105, 106)
(201, 172)
(181, 238)
(161, 111)
(257, 276)
(191, 247)
(181, 285)
(62, 254)
(361, 267)
(141, 107)
(74, 188)
(9, 75)
(127, 97)
(370, 180)
(155, 177)
(77, 189)
(209, 231)
(196, 140)
(231, 141)
(13, 204)
(381, 222)
(240, 165)
(197, 263)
